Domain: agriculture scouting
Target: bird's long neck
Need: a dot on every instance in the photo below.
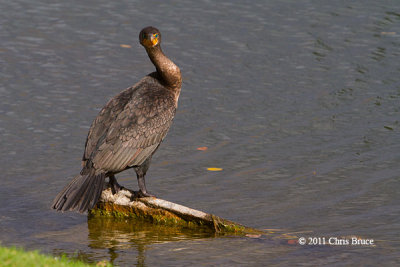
(168, 71)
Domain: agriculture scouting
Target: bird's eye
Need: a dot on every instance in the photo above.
(156, 35)
(144, 36)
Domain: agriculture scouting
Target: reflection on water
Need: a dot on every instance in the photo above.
(125, 233)
(116, 234)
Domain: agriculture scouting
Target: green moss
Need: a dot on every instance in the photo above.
(155, 216)
(19, 257)
(164, 217)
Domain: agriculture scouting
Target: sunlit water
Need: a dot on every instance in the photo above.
(297, 101)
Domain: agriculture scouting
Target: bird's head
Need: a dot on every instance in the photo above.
(150, 37)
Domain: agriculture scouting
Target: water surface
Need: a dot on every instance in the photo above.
(297, 101)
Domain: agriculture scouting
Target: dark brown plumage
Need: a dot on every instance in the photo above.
(127, 131)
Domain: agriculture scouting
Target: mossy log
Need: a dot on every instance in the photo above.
(125, 204)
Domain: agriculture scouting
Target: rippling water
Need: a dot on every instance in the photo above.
(298, 102)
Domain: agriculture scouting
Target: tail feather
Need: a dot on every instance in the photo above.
(83, 202)
(81, 194)
(94, 190)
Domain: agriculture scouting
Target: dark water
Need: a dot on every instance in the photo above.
(298, 102)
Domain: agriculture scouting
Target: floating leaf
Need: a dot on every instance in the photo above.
(125, 46)
(389, 128)
(292, 242)
(202, 148)
(213, 169)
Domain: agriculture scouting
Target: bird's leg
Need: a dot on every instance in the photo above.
(141, 172)
(142, 188)
(115, 187)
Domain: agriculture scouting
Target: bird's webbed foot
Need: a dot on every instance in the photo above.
(141, 194)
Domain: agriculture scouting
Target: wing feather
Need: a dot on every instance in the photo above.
(131, 126)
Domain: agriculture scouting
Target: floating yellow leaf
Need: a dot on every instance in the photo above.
(125, 46)
(388, 33)
(203, 148)
(213, 169)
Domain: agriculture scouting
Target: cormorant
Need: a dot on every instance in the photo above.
(127, 131)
